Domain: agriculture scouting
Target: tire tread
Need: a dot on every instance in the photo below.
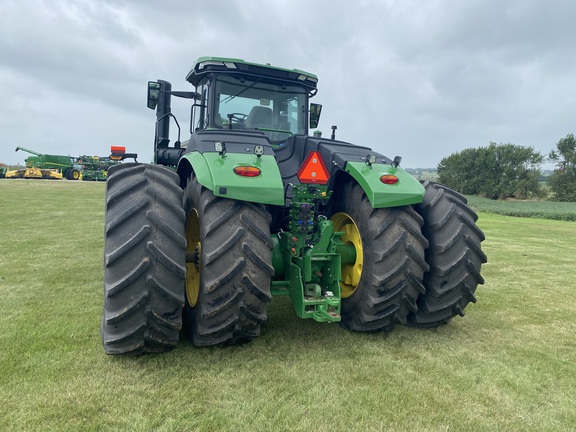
(144, 260)
(455, 256)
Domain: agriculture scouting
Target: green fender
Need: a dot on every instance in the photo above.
(406, 191)
(216, 172)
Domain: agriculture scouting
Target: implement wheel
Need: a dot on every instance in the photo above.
(228, 267)
(454, 256)
(380, 288)
(144, 260)
(74, 174)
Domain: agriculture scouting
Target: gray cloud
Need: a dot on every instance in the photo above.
(419, 79)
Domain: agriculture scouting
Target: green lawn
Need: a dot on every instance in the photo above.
(537, 209)
(509, 365)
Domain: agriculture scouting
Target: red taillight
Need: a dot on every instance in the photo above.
(313, 170)
(247, 171)
(389, 179)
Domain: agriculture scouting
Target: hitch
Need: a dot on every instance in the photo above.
(309, 254)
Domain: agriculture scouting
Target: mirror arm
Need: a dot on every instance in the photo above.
(184, 94)
(169, 114)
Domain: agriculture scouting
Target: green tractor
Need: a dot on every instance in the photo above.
(252, 207)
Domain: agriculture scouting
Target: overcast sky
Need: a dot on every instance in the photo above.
(419, 79)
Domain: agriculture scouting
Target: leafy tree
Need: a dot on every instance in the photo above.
(496, 171)
(563, 182)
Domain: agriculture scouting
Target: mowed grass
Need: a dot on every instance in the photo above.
(509, 365)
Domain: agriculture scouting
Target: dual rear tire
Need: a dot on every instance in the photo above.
(420, 265)
(203, 266)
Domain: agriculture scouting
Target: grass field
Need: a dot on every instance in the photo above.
(509, 365)
(535, 209)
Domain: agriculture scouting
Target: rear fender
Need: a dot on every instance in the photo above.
(216, 172)
(406, 191)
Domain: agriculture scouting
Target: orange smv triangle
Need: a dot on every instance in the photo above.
(313, 170)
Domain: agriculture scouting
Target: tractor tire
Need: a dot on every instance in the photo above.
(381, 287)
(67, 173)
(74, 174)
(144, 260)
(228, 268)
(454, 256)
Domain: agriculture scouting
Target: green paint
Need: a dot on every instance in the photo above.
(407, 191)
(307, 267)
(216, 172)
(46, 161)
(278, 259)
(347, 253)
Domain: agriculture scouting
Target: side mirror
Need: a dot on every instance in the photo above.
(153, 94)
(315, 111)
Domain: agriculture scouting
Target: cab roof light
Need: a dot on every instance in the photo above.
(303, 77)
(229, 65)
(209, 63)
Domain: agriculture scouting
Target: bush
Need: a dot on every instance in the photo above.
(496, 171)
(563, 182)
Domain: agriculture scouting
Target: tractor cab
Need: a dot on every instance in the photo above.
(237, 95)
(236, 98)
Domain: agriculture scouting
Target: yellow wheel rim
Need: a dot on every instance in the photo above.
(193, 253)
(350, 273)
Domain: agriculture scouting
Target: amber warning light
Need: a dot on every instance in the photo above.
(117, 153)
(389, 179)
(313, 170)
(247, 171)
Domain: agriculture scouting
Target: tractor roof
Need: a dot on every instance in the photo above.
(205, 65)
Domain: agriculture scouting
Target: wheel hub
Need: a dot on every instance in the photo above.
(193, 257)
(351, 272)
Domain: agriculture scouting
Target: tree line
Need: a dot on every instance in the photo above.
(511, 171)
